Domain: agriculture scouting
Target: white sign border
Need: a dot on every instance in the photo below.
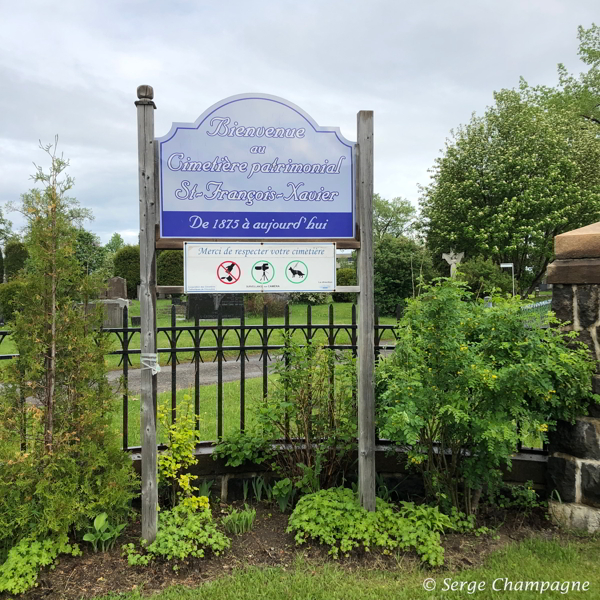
(269, 97)
(258, 243)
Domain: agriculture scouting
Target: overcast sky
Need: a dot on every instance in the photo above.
(71, 67)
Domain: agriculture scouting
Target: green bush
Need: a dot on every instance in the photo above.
(243, 447)
(312, 406)
(1, 266)
(9, 293)
(310, 298)
(399, 263)
(15, 256)
(483, 276)
(345, 276)
(169, 267)
(335, 518)
(275, 304)
(182, 532)
(460, 379)
(127, 265)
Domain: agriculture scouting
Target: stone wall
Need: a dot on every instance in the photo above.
(574, 461)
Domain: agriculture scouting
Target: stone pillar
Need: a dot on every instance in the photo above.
(574, 461)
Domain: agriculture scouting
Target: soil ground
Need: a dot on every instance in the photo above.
(267, 545)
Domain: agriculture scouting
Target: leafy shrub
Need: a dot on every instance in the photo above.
(243, 447)
(9, 294)
(1, 266)
(169, 267)
(182, 532)
(311, 298)
(20, 570)
(483, 276)
(238, 522)
(275, 304)
(313, 409)
(399, 263)
(345, 276)
(15, 256)
(460, 379)
(179, 455)
(127, 265)
(335, 518)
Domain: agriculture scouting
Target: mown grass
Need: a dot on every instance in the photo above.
(208, 409)
(532, 560)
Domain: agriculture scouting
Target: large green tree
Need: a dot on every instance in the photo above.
(89, 251)
(391, 217)
(524, 172)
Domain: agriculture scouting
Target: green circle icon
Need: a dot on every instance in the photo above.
(296, 271)
(263, 272)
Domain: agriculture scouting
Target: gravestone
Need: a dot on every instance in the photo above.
(116, 287)
(205, 306)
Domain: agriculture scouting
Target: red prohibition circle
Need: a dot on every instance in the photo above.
(226, 275)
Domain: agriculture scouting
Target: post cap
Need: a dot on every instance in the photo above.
(145, 92)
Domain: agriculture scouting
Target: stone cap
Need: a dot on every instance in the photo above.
(579, 243)
(574, 271)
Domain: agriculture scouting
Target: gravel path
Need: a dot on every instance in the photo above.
(186, 372)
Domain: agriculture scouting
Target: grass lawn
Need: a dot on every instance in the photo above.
(533, 560)
(320, 316)
(208, 409)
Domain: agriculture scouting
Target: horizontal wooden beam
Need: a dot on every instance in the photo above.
(178, 289)
(177, 243)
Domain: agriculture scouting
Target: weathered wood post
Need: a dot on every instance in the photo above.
(366, 307)
(145, 118)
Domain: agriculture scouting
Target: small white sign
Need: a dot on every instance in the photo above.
(246, 267)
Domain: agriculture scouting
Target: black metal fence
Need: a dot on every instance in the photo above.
(209, 342)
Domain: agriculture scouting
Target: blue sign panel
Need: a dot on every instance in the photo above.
(255, 166)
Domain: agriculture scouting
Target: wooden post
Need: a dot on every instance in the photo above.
(366, 308)
(145, 118)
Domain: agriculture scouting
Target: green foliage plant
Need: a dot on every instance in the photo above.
(238, 522)
(60, 460)
(310, 298)
(243, 447)
(182, 437)
(9, 295)
(345, 276)
(313, 411)
(126, 263)
(392, 218)
(399, 264)
(460, 379)
(484, 278)
(283, 492)
(15, 257)
(334, 518)
(19, 572)
(103, 533)
(169, 267)
(183, 532)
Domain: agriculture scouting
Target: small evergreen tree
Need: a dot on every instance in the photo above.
(1, 267)
(60, 463)
(169, 268)
(127, 266)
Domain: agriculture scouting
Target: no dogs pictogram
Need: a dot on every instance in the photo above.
(229, 272)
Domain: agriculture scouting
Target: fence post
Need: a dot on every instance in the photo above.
(219, 373)
(366, 355)
(173, 364)
(145, 118)
(197, 370)
(125, 378)
(243, 369)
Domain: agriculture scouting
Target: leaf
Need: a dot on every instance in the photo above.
(100, 521)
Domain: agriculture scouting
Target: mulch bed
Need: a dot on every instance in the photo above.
(267, 545)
